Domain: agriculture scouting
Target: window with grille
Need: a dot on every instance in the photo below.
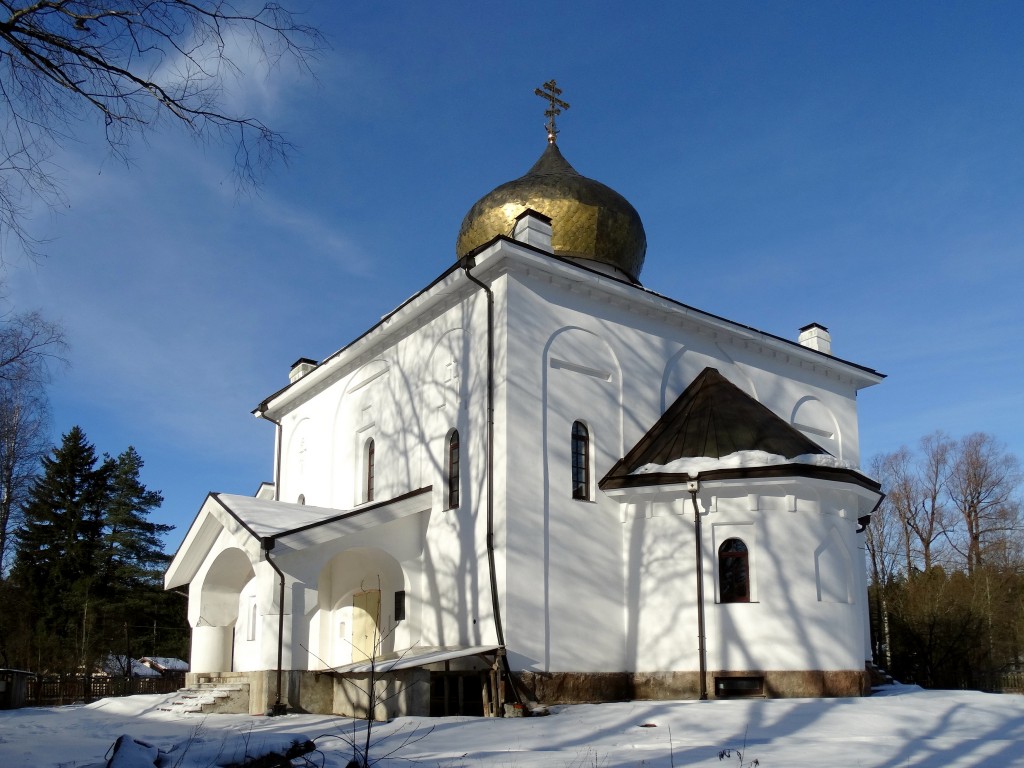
(733, 572)
(368, 460)
(400, 605)
(453, 470)
(580, 461)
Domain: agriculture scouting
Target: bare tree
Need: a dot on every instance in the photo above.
(983, 481)
(29, 347)
(24, 440)
(884, 537)
(129, 63)
(952, 519)
(929, 517)
(895, 472)
(915, 485)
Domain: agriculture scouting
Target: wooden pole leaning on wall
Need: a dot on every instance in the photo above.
(485, 686)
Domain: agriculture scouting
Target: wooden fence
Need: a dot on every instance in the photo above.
(1009, 682)
(47, 691)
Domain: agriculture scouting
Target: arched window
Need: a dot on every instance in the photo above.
(580, 461)
(733, 572)
(252, 619)
(453, 469)
(368, 467)
(302, 498)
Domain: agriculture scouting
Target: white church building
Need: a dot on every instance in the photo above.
(538, 481)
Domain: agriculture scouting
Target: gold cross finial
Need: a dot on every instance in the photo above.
(551, 92)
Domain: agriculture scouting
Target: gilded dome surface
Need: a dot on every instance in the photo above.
(588, 219)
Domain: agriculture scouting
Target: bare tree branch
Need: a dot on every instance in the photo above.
(129, 62)
(29, 346)
(982, 487)
(24, 440)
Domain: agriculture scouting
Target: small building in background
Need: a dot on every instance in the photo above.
(165, 665)
(14, 688)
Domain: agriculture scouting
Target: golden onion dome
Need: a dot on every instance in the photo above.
(588, 219)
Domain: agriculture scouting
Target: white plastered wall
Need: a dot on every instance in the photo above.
(408, 396)
(805, 611)
(573, 571)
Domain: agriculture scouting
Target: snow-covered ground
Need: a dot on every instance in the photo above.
(901, 726)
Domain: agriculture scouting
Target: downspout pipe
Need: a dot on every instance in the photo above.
(693, 486)
(468, 263)
(267, 543)
(277, 462)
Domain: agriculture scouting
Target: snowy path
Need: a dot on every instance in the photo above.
(905, 727)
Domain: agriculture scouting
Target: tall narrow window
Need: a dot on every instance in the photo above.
(368, 462)
(733, 572)
(253, 618)
(453, 470)
(580, 461)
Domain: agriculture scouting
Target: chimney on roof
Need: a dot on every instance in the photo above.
(533, 229)
(300, 368)
(816, 336)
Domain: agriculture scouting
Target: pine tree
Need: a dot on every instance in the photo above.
(132, 543)
(59, 549)
(88, 575)
(133, 561)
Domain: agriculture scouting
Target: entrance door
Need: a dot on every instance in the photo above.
(365, 617)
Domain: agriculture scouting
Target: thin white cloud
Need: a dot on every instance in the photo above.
(247, 76)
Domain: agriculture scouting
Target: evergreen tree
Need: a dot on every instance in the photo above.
(88, 574)
(133, 549)
(133, 562)
(59, 552)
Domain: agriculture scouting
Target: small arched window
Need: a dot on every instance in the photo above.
(580, 461)
(368, 470)
(733, 572)
(301, 499)
(453, 469)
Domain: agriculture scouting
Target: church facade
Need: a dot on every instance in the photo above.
(537, 481)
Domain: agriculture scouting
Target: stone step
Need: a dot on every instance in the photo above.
(878, 675)
(209, 698)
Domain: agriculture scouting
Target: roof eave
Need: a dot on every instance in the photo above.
(213, 517)
(656, 479)
(391, 323)
(863, 375)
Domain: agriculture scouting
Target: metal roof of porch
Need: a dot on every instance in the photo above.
(415, 657)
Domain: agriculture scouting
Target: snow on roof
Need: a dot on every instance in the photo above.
(166, 663)
(742, 460)
(114, 665)
(266, 517)
(295, 526)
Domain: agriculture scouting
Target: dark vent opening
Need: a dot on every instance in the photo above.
(457, 693)
(738, 687)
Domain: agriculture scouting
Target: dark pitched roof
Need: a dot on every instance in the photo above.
(713, 418)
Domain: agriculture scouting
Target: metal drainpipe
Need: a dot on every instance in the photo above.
(468, 264)
(277, 462)
(693, 486)
(267, 543)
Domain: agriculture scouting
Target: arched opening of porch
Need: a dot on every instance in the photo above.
(213, 629)
(361, 597)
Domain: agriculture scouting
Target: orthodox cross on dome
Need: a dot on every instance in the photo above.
(551, 92)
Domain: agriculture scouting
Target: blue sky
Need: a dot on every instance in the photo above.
(860, 165)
